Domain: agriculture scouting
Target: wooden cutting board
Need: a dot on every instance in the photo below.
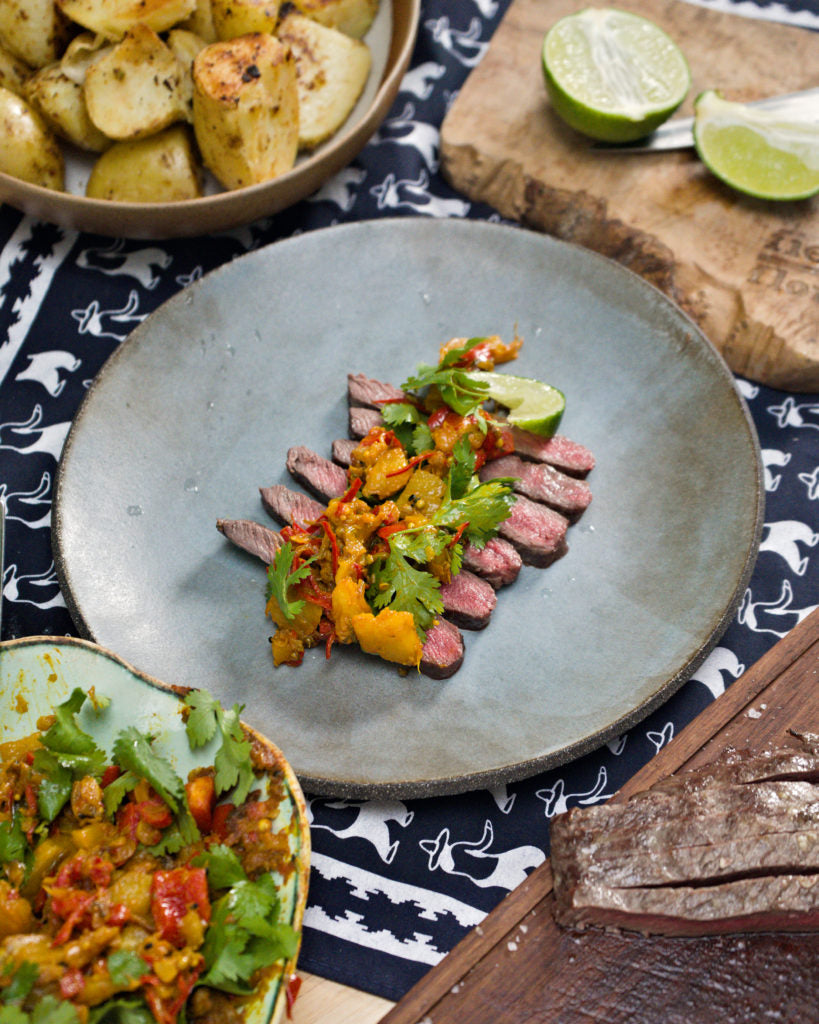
(746, 270)
(518, 967)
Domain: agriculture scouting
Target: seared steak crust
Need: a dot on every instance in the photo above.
(443, 651)
(468, 600)
(732, 846)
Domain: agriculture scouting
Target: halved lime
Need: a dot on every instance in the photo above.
(755, 151)
(613, 75)
(532, 405)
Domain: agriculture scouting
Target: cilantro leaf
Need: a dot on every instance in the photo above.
(244, 935)
(55, 788)
(47, 1011)
(201, 721)
(222, 865)
(125, 966)
(134, 752)
(22, 981)
(281, 576)
(13, 844)
(398, 584)
(483, 509)
(65, 735)
(116, 791)
(460, 392)
(232, 761)
(462, 468)
(124, 1009)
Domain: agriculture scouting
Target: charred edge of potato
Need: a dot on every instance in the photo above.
(246, 109)
(34, 31)
(113, 18)
(332, 70)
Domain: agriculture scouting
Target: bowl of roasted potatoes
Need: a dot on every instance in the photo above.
(173, 118)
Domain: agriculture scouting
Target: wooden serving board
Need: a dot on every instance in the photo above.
(518, 966)
(746, 270)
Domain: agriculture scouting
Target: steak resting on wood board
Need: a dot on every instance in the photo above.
(729, 847)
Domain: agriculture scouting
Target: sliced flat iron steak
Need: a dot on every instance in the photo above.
(542, 482)
(252, 537)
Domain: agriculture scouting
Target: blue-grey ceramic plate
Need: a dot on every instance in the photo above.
(197, 409)
(37, 673)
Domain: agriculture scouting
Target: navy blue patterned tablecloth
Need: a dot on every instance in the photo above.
(394, 884)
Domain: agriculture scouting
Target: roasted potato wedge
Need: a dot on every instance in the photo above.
(159, 169)
(200, 21)
(352, 17)
(28, 150)
(13, 72)
(246, 109)
(113, 18)
(35, 31)
(232, 18)
(61, 102)
(331, 69)
(136, 89)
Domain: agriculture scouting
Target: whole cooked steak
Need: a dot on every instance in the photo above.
(729, 847)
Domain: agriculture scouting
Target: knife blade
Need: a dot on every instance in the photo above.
(679, 134)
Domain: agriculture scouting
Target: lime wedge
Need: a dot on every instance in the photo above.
(532, 405)
(757, 152)
(613, 75)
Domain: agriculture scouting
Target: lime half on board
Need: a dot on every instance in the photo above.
(613, 75)
(532, 405)
(757, 152)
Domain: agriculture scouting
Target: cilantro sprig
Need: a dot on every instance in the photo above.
(67, 753)
(460, 392)
(205, 718)
(281, 576)
(245, 933)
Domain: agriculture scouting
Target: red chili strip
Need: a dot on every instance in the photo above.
(351, 492)
(411, 464)
(458, 534)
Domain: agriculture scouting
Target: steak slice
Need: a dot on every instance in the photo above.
(542, 482)
(537, 532)
(737, 766)
(361, 420)
(251, 537)
(468, 600)
(772, 903)
(498, 562)
(443, 651)
(290, 507)
(573, 458)
(371, 393)
(321, 477)
(343, 448)
(730, 846)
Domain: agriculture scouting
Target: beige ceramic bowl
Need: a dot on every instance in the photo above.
(391, 40)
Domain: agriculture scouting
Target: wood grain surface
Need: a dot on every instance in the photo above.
(746, 270)
(518, 966)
